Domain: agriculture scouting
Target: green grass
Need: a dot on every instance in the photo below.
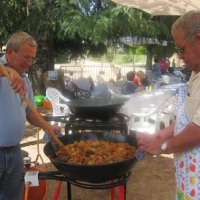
(123, 59)
(119, 59)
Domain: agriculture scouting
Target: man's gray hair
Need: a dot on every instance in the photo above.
(189, 23)
(18, 38)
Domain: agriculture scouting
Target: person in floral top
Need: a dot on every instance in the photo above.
(183, 137)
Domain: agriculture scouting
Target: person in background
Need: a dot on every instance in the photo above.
(20, 54)
(128, 86)
(156, 68)
(164, 65)
(140, 79)
(173, 64)
(168, 63)
(172, 67)
(183, 137)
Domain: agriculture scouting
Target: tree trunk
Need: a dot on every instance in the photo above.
(150, 48)
(45, 62)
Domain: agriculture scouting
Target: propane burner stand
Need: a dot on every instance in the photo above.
(114, 123)
(59, 176)
(75, 123)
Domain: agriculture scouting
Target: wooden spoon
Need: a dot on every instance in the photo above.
(44, 124)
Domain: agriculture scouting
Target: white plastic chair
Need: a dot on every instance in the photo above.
(152, 119)
(57, 100)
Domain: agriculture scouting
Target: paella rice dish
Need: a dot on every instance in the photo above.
(95, 152)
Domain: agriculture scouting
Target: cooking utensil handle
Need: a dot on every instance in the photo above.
(44, 124)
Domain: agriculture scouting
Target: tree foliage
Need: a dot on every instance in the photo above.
(76, 27)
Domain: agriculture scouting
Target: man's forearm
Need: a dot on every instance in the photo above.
(187, 139)
(32, 119)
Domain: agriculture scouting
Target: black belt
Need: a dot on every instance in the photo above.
(6, 148)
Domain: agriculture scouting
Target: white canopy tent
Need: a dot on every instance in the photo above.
(162, 7)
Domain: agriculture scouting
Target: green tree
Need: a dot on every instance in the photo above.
(74, 27)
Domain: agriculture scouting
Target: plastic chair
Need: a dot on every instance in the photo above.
(57, 100)
(152, 119)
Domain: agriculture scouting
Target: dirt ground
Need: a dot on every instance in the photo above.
(151, 178)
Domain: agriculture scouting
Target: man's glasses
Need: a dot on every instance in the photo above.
(28, 59)
(181, 49)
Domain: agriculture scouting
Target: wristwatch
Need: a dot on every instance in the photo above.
(164, 146)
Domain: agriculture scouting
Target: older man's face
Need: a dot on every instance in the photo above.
(188, 51)
(22, 59)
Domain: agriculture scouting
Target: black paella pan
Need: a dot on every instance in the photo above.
(96, 107)
(92, 173)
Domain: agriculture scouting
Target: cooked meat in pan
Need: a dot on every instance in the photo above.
(95, 152)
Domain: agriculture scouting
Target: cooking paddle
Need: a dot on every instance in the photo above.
(44, 124)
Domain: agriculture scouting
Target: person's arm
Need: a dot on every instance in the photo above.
(166, 133)
(32, 119)
(16, 81)
(185, 140)
(151, 143)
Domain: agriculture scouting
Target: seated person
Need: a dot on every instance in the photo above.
(140, 79)
(128, 86)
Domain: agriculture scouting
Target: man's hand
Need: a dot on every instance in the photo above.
(17, 83)
(149, 143)
(55, 128)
